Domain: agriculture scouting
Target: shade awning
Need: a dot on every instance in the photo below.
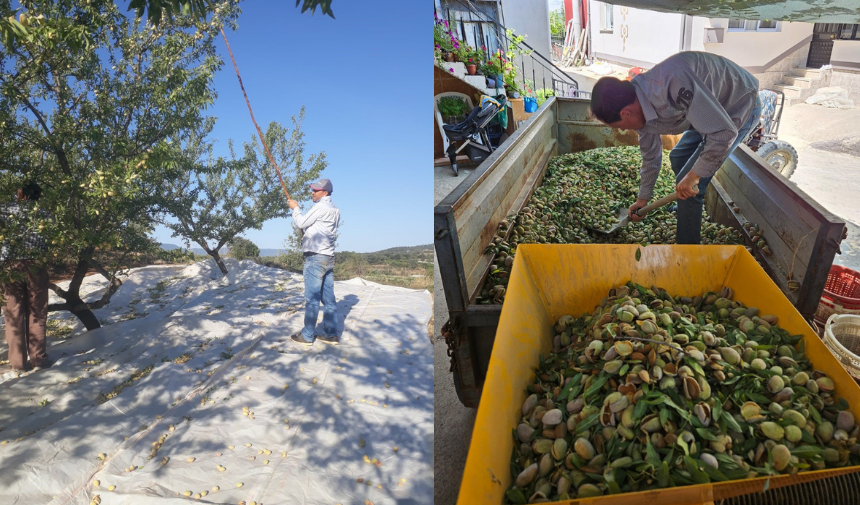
(812, 11)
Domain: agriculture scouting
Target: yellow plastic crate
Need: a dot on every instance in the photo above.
(548, 281)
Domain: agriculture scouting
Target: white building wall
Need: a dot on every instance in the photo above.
(846, 54)
(845, 59)
(530, 18)
(755, 50)
(643, 38)
(639, 37)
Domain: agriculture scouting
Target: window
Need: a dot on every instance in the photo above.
(606, 18)
(751, 25)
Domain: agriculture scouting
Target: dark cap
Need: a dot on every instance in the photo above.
(322, 185)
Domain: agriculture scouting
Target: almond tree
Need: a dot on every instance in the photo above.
(89, 116)
(217, 199)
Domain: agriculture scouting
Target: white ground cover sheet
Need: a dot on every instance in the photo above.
(152, 402)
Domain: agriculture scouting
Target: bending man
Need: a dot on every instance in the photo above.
(712, 100)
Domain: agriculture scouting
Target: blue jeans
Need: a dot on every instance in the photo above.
(682, 158)
(319, 285)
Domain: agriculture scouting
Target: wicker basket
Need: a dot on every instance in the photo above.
(842, 337)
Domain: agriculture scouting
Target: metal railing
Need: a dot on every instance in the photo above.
(480, 29)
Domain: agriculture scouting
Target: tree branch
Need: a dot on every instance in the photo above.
(60, 291)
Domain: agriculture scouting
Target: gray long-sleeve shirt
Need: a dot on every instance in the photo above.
(692, 90)
(319, 226)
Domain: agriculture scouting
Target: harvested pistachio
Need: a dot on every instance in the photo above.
(584, 191)
(714, 388)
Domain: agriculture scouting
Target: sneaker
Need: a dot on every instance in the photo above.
(329, 339)
(48, 363)
(297, 337)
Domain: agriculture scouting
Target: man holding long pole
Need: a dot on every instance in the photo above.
(319, 229)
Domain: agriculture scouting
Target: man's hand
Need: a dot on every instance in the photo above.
(687, 188)
(292, 204)
(633, 208)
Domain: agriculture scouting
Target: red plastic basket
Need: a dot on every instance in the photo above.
(841, 294)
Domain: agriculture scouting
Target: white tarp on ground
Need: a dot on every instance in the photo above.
(207, 348)
(833, 97)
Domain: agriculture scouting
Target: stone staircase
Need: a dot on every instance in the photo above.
(478, 82)
(802, 83)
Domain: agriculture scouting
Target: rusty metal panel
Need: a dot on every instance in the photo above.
(578, 131)
(802, 234)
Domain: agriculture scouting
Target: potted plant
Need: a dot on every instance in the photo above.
(492, 68)
(473, 59)
(513, 89)
(443, 40)
(452, 109)
(462, 53)
(542, 94)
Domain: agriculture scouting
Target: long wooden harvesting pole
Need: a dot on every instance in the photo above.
(259, 132)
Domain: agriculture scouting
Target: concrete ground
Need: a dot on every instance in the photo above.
(444, 180)
(828, 168)
(828, 145)
(452, 421)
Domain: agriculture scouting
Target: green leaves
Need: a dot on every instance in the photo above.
(731, 423)
(572, 389)
(596, 385)
(158, 10)
(324, 5)
(231, 196)
(698, 475)
(807, 451)
(88, 106)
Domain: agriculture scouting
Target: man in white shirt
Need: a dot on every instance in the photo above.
(319, 228)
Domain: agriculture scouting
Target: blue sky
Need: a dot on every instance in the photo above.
(360, 77)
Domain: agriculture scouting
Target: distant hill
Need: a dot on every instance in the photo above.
(416, 249)
(408, 249)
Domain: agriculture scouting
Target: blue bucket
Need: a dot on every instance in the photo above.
(530, 104)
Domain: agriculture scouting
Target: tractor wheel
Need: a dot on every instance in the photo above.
(780, 155)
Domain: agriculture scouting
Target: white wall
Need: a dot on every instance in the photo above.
(651, 36)
(654, 36)
(752, 49)
(845, 51)
(529, 18)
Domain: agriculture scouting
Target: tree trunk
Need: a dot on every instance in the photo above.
(218, 261)
(72, 296)
(80, 309)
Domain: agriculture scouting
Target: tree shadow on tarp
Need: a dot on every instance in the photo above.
(324, 438)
